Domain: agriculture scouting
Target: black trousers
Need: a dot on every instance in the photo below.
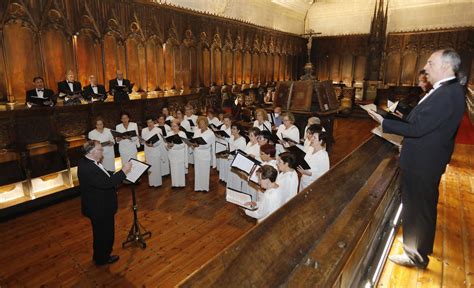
(103, 230)
(420, 199)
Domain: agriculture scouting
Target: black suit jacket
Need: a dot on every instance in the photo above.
(98, 190)
(63, 87)
(113, 83)
(31, 97)
(430, 131)
(89, 93)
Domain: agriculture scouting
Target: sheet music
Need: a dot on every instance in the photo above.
(241, 162)
(138, 169)
(220, 147)
(392, 138)
(238, 198)
(392, 106)
(368, 107)
(254, 176)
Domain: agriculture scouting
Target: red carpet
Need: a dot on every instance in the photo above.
(465, 132)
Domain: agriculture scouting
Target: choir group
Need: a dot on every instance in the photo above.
(173, 142)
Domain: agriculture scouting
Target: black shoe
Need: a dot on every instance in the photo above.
(112, 259)
(406, 261)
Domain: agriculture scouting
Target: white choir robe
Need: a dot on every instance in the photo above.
(266, 125)
(214, 121)
(288, 182)
(272, 163)
(193, 118)
(153, 157)
(219, 161)
(269, 201)
(165, 162)
(233, 180)
(292, 133)
(319, 163)
(170, 118)
(178, 155)
(109, 155)
(203, 159)
(128, 148)
(185, 124)
(255, 151)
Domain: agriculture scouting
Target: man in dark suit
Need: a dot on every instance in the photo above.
(70, 90)
(120, 87)
(94, 92)
(427, 148)
(39, 96)
(99, 199)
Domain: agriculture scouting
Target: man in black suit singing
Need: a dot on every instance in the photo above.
(99, 199)
(427, 148)
(94, 92)
(120, 87)
(39, 96)
(70, 90)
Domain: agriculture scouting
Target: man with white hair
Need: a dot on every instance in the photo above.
(428, 144)
(94, 92)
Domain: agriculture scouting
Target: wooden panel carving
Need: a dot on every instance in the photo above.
(151, 67)
(110, 56)
(56, 49)
(247, 66)
(86, 58)
(255, 68)
(238, 67)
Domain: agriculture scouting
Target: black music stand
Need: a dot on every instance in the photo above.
(137, 233)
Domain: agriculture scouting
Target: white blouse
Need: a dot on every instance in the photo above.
(292, 133)
(268, 202)
(131, 127)
(268, 125)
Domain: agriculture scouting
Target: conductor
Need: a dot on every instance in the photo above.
(99, 200)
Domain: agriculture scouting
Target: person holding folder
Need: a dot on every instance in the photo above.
(236, 142)
(165, 130)
(70, 90)
(127, 145)
(94, 92)
(271, 199)
(120, 87)
(316, 157)
(186, 125)
(287, 177)
(204, 156)
(267, 154)
(40, 96)
(222, 162)
(178, 155)
(106, 139)
(261, 121)
(99, 199)
(287, 132)
(151, 141)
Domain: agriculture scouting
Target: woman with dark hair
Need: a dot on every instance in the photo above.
(267, 154)
(222, 162)
(236, 142)
(165, 130)
(287, 178)
(204, 156)
(271, 199)
(105, 137)
(152, 153)
(316, 157)
(127, 145)
(252, 149)
(178, 156)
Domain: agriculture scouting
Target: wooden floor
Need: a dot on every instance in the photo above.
(53, 246)
(452, 262)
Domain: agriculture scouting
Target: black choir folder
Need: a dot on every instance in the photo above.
(299, 155)
(197, 140)
(222, 133)
(138, 169)
(174, 139)
(191, 123)
(153, 139)
(163, 130)
(245, 163)
(116, 134)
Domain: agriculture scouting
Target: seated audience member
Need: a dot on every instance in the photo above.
(178, 155)
(287, 177)
(261, 121)
(271, 199)
(39, 96)
(120, 87)
(203, 155)
(152, 153)
(267, 154)
(277, 117)
(70, 90)
(94, 92)
(106, 139)
(316, 157)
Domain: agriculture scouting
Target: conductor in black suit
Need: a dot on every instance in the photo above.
(94, 92)
(427, 148)
(70, 90)
(120, 87)
(99, 199)
(39, 96)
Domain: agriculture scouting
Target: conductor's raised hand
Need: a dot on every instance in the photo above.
(127, 167)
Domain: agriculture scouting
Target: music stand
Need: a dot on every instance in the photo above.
(137, 233)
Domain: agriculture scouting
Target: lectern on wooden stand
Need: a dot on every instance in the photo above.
(137, 233)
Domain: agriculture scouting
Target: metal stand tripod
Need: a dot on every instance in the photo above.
(136, 235)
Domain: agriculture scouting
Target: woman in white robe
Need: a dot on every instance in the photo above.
(252, 149)
(267, 154)
(166, 114)
(316, 157)
(152, 153)
(261, 121)
(189, 116)
(165, 130)
(222, 162)
(178, 155)
(287, 177)
(237, 142)
(105, 137)
(203, 155)
(307, 138)
(287, 130)
(271, 199)
(184, 124)
(127, 145)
